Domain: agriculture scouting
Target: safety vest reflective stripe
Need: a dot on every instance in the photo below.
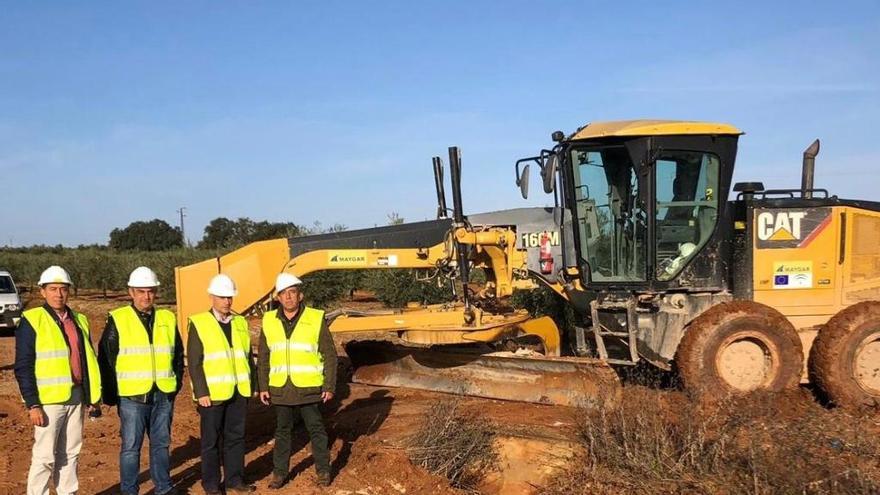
(143, 362)
(228, 378)
(293, 346)
(298, 346)
(295, 358)
(224, 355)
(135, 350)
(296, 369)
(226, 368)
(213, 356)
(52, 365)
(133, 375)
(53, 354)
(146, 350)
(55, 381)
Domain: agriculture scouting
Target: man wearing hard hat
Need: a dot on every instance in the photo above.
(218, 353)
(141, 359)
(57, 373)
(296, 372)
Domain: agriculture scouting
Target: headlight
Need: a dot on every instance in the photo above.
(12, 307)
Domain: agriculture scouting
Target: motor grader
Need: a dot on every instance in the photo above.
(662, 259)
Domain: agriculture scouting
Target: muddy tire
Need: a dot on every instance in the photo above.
(739, 347)
(845, 357)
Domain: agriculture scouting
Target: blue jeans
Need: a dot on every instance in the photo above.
(154, 420)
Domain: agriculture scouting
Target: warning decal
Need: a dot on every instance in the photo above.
(390, 260)
(793, 275)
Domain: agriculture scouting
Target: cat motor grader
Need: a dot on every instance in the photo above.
(736, 295)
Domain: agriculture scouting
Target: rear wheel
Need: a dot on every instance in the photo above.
(845, 357)
(739, 347)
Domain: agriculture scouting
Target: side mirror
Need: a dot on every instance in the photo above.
(548, 172)
(21, 289)
(586, 274)
(523, 182)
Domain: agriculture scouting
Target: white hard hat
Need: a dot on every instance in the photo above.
(222, 286)
(143, 277)
(285, 280)
(54, 275)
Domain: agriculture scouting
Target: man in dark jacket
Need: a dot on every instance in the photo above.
(219, 360)
(296, 373)
(57, 373)
(141, 359)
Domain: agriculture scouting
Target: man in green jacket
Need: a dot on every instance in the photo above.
(296, 373)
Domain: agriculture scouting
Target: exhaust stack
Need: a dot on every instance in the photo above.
(438, 184)
(808, 169)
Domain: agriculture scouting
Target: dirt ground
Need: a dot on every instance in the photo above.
(368, 427)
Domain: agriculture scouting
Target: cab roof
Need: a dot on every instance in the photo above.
(647, 127)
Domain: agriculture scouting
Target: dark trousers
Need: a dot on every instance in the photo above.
(223, 427)
(285, 419)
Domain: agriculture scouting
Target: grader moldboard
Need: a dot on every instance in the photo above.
(642, 242)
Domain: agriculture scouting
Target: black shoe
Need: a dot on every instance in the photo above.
(324, 479)
(277, 482)
(242, 488)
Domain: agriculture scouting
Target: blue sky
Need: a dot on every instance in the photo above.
(112, 112)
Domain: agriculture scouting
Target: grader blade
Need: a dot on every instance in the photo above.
(575, 382)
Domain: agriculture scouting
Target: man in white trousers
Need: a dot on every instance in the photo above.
(58, 376)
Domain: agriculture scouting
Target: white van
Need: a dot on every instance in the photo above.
(10, 302)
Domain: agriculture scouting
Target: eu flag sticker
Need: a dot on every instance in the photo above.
(793, 274)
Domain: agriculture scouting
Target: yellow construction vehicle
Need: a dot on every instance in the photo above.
(644, 245)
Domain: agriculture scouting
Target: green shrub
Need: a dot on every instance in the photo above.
(326, 288)
(395, 288)
(543, 301)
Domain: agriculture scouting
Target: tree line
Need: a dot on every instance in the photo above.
(220, 233)
(153, 243)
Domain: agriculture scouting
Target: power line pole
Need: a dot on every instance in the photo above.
(182, 212)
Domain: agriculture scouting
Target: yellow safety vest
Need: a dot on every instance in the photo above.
(52, 367)
(140, 364)
(296, 358)
(225, 368)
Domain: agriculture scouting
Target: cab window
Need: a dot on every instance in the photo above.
(687, 207)
(612, 223)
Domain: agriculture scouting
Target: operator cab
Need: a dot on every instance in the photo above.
(646, 197)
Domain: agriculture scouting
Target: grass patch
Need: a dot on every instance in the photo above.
(774, 444)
